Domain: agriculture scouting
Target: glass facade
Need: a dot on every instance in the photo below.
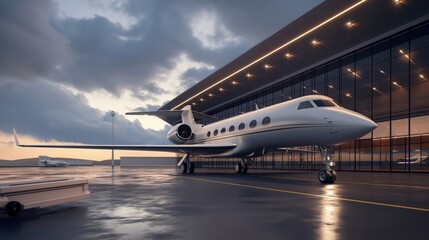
(388, 81)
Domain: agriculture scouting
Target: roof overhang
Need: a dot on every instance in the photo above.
(337, 27)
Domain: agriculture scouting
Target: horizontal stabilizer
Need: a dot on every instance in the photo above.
(174, 116)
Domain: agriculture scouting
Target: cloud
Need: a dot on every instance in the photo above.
(42, 110)
(29, 46)
(152, 49)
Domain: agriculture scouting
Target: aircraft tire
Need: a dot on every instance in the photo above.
(13, 208)
(325, 176)
(238, 168)
(184, 168)
(244, 169)
(334, 176)
(191, 168)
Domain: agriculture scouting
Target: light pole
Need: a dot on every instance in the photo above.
(112, 114)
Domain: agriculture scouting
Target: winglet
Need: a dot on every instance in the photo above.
(16, 137)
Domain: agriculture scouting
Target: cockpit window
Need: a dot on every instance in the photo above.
(304, 105)
(325, 103)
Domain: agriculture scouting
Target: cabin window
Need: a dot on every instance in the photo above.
(304, 105)
(232, 128)
(324, 103)
(253, 124)
(208, 134)
(241, 126)
(223, 130)
(266, 121)
(215, 132)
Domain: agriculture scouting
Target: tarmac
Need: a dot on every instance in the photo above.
(160, 203)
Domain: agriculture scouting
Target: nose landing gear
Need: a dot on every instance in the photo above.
(327, 175)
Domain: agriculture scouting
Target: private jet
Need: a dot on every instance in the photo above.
(310, 120)
(45, 161)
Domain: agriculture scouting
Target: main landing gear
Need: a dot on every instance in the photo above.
(327, 175)
(243, 165)
(186, 165)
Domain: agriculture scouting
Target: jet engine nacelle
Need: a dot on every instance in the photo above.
(180, 133)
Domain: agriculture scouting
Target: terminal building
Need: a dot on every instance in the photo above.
(370, 56)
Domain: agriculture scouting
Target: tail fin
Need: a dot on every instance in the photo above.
(188, 117)
(16, 137)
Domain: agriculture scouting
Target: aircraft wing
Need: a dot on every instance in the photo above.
(173, 116)
(190, 148)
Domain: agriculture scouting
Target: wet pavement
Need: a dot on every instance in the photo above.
(159, 203)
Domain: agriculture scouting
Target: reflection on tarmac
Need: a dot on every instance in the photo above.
(159, 203)
(330, 209)
(124, 203)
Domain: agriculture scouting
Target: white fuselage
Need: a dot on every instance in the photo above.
(288, 127)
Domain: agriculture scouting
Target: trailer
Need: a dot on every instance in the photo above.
(15, 197)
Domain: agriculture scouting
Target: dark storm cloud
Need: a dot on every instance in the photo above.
(107, 56)
(29, 46)
(42, 110)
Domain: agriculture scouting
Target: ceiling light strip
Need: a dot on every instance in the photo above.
(275, 50)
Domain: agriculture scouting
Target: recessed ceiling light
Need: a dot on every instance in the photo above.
(350, 24)
(234, 83)
(315, 42)
(288, 55)
(211, 95)
(201, 99)
(249, 75)
(267, 66)
(221, 89)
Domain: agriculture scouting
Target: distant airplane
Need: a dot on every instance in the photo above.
(416, 159)
(45, 161)
(309, 120)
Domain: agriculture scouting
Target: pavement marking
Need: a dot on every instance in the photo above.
(312, 195)
(358, 183)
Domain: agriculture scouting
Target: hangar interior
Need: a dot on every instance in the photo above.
(369, 56)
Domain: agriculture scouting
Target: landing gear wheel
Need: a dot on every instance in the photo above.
(334, 176)
(191, 168)
(325, 176)
(238, 168)
(13, 208)
(244, 169)
(184, 168)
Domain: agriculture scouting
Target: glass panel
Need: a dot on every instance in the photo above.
(334, 80)
(381, 51)
(278, 93)
(381, 91)
(348, 82)
(308, 83)
(287, 90)
(420, 37)
(363, 76)
(363, 160)
(419, 82)
(320, 81)
(304, 105)
(297, 87)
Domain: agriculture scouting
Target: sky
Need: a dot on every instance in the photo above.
(64, 64)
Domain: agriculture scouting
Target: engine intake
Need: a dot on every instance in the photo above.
(179, 134)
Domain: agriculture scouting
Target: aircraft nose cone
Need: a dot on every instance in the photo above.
(365, 124)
